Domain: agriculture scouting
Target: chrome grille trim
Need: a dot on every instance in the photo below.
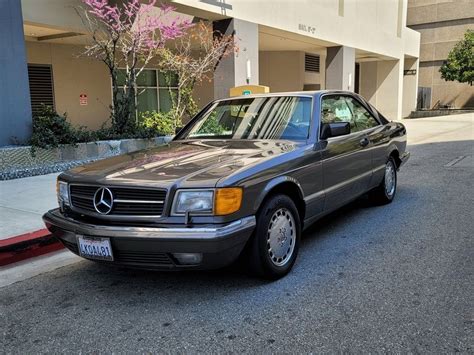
(137, 201)
(148, 202)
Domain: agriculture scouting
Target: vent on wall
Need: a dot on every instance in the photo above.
(40, 78)
(311, 63)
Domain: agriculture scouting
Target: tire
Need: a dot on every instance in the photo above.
(385, 192)
(274, 245)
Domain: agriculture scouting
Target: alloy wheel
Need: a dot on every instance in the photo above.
(281, 237)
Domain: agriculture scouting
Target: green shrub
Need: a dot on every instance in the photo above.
(50, 129)
(212, 126)
(160, 123)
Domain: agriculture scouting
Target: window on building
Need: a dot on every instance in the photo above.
(154, 89)
(40, 78)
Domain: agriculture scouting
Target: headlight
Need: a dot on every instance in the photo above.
(63, 193)
(217, 202)
(194, 201)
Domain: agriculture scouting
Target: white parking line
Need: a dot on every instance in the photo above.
(455, 161)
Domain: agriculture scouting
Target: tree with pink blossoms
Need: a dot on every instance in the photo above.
(128, 36)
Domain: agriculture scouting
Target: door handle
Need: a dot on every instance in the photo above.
(364, 142)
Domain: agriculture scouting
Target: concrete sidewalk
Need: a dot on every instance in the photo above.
(23, 202)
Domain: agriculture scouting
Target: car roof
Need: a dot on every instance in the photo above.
(314, 93)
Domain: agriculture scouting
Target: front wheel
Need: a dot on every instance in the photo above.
(276, 239)
(385, 192)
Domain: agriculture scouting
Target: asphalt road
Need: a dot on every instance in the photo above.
(397, 278)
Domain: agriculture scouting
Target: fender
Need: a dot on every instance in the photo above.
(274, 183)
(392, 148)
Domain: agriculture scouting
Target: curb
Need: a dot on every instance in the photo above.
(27, 245)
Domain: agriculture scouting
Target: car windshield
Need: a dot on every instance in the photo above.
(274, 117)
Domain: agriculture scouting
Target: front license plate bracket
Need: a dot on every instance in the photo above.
(96, 248)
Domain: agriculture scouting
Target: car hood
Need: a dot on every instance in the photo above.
(199, 163)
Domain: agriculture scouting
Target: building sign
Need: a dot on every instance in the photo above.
(248, 90)
(409, 72)
(83, 99)
(307, 28)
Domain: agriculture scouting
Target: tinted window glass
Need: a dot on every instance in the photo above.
(346, 109)
(362, 119)
(335, 109)
(286, 117)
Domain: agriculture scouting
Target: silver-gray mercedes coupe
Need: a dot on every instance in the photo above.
(241, 180)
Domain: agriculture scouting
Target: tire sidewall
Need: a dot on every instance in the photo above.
(263, 220)
(394, 166)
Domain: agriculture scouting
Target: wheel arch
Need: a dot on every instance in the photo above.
(395, 154)
(285, 185)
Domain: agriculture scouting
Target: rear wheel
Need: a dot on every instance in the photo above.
(276, 239)
(385, 192)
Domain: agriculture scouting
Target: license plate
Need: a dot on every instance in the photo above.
(95, 248)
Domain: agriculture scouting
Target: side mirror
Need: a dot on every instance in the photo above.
(177, 130)
(335, 129)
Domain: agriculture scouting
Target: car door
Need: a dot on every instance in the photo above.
(365, 121)
(346, 160)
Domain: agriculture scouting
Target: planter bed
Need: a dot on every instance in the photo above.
(17, 162)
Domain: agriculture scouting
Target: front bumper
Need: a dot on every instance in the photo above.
(153, 248)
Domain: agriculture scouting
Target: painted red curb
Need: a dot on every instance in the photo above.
(24, 237)
(7, 258)
(27, 246)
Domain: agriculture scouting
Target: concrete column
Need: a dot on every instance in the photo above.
(390, 88)
(340, 68)
(368, 81)
(15, 106)
(382, 85)
(232, 71)
(410, 86)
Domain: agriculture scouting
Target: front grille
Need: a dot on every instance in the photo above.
(142, 257)
(127, 201)
(131, 257)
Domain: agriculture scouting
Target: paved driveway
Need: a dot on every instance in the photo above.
(397, 278)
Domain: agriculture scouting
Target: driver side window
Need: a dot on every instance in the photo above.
(335, 109)
(361, 117)
(346, 109)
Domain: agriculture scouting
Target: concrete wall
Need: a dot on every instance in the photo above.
(410, 87)
(368, 81)
(340, 68)
(362, 18)
(441, 25)
(15, 109)
(430, 11)
(74, 75)
(373, 28)
(381, 84)
(284, 71)
(232, 71)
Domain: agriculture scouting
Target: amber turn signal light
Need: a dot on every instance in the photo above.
(227, 200)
